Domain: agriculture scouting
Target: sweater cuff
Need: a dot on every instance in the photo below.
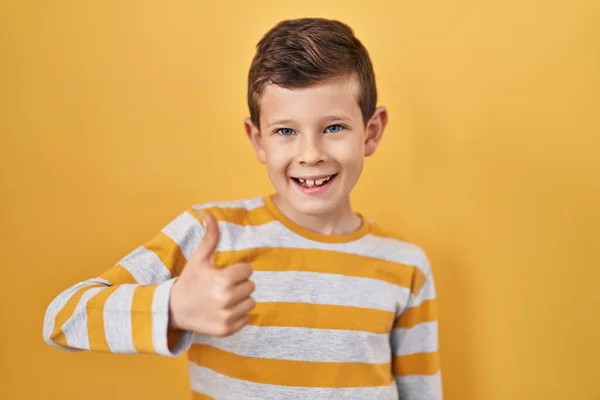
(165, 341)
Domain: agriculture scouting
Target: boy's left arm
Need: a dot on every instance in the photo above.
(414, 341)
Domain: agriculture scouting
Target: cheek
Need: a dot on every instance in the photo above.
(277, 159)
(349, 153)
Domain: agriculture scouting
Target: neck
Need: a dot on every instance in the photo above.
(339, 222)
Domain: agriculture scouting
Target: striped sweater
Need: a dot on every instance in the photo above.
(337, 317)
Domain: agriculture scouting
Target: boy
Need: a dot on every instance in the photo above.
(289, 296)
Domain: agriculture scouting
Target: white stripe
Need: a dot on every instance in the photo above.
(75, 328)
(420, 387)
(117, 319)
(422, 338)
(427, 293)
(221, 387)
(394, 250)
(248, 204)
(58, 303)
(275, 235)
(186, 231)
(160, 323)
(323, 288)
(303, 344)
(428, 290)
(145, 266)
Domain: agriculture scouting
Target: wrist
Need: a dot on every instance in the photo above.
(174, 310)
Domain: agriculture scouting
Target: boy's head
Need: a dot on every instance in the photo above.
(313, 115)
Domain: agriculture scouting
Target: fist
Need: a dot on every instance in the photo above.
(209, 300)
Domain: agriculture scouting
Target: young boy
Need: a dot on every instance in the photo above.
(285, 296)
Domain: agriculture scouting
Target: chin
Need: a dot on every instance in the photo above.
(313, 206)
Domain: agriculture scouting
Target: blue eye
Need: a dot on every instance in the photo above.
(285, 131)
(340, 128)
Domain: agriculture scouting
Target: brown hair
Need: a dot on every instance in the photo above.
(300, 52)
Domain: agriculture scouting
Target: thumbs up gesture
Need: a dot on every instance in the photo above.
(210, 300)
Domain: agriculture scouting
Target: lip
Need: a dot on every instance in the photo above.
(317, 190)
(312, 177)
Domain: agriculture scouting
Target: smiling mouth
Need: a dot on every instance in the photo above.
(310, 183)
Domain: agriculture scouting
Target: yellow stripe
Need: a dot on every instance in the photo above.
(58, 336)
(167, 251)
(141, 318)
(424, 312)
(291, 373)
(377, 230)
(95, 319)
(200, 396)
(321, 316)
(332, 262)
(294, 227)
(241, 216)
(418, 281)
(196, 214)
(313, 260)
(416, 364)
(262, 215)
(117, 275)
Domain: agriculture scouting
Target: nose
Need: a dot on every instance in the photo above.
(311, 150)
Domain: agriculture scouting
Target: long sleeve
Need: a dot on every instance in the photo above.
(126, 309)
(414, 341)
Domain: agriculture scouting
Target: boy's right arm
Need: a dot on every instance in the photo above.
(155, 298)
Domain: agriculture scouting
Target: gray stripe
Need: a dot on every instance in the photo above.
(302, 344)
(117, 319)
(221, 387)
(186, 231)
(422, 338)
(145, 266)
(58, 303)
(275, 235)
(427, 293)
(420, 387)
(248, 204)
(323, 288)
(160, 323)
(75, 328)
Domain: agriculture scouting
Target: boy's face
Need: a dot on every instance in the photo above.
(313, 143)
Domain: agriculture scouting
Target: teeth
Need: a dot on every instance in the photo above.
(313, 182)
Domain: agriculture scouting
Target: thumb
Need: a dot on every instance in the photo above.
(211, 237)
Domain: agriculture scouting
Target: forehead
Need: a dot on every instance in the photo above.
(334, 97)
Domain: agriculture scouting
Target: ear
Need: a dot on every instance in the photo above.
(253, 134)
(374, 130)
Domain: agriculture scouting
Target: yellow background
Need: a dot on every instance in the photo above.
(116, 115)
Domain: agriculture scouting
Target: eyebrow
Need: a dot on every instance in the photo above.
(325, 118)
(280, 122)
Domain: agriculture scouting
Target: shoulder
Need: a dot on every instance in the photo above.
(187, 227)
(245, 211)
(247, 204)
(395, 247)
(234, 211)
